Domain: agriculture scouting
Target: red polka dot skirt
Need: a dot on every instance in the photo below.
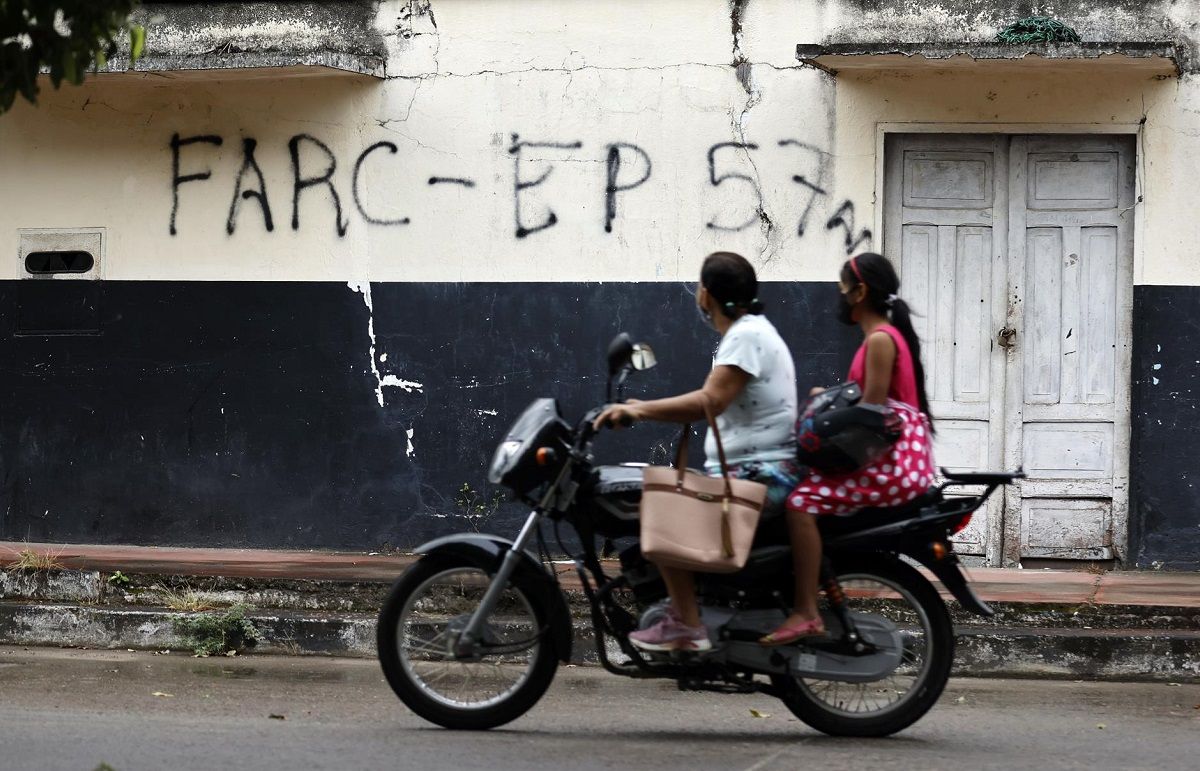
(902, 474)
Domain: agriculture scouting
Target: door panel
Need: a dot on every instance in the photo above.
(1072, 180)
(1098, 364)
(1066, 528)
(1044, 295)
(1034, 234)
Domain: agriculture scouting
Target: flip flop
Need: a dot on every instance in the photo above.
(786, 635)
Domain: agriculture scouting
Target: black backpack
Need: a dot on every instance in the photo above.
(835, 434)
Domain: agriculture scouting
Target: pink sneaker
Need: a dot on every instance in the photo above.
(671, 634)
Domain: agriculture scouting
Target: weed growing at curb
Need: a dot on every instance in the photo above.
(188, 600)
(212, 633)
(120, 579)
(31, 560)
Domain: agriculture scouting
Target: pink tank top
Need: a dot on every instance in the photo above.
(904, 379)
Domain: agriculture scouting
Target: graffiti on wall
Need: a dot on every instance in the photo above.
(626, 167)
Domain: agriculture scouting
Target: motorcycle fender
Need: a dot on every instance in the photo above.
(948, 572)
(486, 552)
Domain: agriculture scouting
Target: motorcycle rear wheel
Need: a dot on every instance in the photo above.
(883, 707)
(416, 631)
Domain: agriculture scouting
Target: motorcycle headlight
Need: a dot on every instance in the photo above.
(502, 460)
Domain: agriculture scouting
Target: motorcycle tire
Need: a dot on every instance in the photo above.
(940, 631)
(540, 671)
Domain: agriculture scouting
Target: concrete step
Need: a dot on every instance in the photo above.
(983, 651)
(92, 587)
(149, 589)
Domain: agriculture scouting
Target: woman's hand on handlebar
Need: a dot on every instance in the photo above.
(618, 415)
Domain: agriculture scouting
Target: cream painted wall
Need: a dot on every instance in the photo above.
(457, 92)
(1044, 102)
(465, 76)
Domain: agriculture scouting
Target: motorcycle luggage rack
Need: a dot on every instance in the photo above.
(983, 478)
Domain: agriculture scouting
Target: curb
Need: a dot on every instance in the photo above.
(1100, 654)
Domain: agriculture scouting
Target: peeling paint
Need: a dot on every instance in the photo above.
(410, 451)
(381, 381)
(364, 288)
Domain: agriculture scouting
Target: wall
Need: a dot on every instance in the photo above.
(323, 298)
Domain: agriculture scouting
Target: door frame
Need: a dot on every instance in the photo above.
(1121, 449)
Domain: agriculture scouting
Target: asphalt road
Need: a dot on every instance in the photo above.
(77, 709)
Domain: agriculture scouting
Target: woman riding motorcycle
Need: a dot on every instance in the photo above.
(752, 392)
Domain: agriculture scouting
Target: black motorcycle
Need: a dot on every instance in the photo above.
(471, 635)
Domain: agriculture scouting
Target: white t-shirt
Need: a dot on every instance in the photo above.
(759, 425)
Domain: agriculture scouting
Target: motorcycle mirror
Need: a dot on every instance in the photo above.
(620, 352)
(642, 357)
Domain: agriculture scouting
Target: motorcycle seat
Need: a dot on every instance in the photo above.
(871, 516)
(773, 532)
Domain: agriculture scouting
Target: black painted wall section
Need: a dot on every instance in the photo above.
(245, 414)
(1165, 480)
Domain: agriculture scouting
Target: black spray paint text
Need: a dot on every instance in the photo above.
(626, 168)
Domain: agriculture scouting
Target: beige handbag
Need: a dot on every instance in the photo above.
(697, 522)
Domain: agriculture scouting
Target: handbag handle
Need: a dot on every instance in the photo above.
(681, 451)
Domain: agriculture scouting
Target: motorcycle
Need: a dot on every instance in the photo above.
(471, 635)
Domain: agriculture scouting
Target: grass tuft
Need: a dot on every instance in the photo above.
(188, 600)
(32, 560)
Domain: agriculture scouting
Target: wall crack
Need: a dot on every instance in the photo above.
(744, 72)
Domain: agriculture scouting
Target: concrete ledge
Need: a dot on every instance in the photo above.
(991, 652)
(1152, 57)
(1102, 654)
(288, 38)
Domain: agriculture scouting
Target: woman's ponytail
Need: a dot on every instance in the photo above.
(882, 283)
(901, 317)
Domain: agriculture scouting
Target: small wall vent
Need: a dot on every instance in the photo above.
(61, 253)
(63, 293)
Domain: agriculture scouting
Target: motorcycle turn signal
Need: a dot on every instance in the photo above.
(546, 456)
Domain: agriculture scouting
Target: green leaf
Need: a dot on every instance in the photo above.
(71, 68)
(137, 42)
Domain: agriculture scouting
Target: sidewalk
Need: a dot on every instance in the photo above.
(1181, 590)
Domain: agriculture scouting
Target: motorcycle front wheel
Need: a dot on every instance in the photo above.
(421, 620)
(889, 588)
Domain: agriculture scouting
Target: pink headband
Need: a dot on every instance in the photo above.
(854, 267)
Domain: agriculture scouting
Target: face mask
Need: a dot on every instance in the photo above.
(845, 311)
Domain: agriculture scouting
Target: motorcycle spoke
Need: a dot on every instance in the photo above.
(872, 594)
(436, 614)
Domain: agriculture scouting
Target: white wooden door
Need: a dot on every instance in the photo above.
(1026, 234)
(1067, 412)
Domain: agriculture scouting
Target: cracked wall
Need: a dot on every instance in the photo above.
(646, 134)
(412, 257)
(515, 135)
